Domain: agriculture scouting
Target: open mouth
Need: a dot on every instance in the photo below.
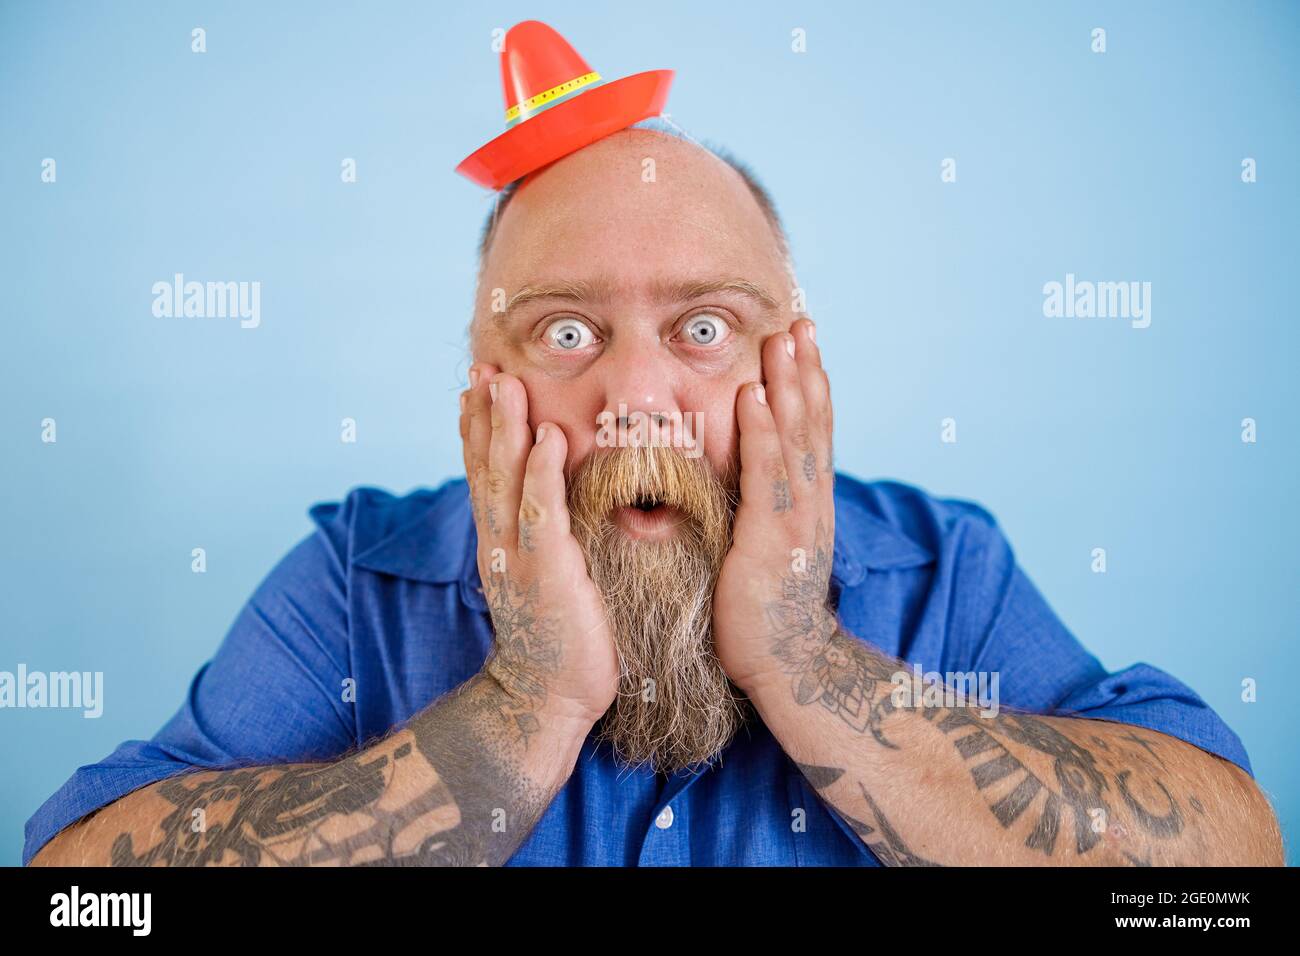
(647, 517)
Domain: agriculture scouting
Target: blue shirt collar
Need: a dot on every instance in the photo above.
(439, 545)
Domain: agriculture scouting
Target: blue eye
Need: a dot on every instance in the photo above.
(706, 329)
(568, 334)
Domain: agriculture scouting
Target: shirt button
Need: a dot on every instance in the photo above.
(665, 818)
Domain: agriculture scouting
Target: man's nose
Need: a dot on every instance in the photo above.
(640, 386)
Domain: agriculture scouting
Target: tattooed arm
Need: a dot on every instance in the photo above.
(933, 785)
(465, 781)
(927, 785)
(925, 779)
(462, 784)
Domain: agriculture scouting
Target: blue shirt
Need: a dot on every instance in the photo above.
(386, 591)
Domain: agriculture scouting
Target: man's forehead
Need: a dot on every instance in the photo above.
(564, 239)
(574, 221)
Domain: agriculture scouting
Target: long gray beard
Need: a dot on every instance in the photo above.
(675, 708)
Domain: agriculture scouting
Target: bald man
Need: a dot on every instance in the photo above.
(653, 625)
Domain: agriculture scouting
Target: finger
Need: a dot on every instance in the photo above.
(508, 446)
(478, 431)
(464, 429)
(543, 509)
(785, 397)
(764, 481)
(816, 386)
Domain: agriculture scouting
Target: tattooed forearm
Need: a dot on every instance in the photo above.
(447, 790)
(1060, 788)
(462, 783)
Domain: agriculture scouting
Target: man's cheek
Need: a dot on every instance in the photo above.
(580, 448)
(721, 444)
(692, 432)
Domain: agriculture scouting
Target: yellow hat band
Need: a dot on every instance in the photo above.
(543, 101)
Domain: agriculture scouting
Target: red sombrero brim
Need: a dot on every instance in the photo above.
(566, 127)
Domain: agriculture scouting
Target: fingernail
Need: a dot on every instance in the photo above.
(473, 377)
(492, 387)
(464, 399)
(812, 332)
(541, 433)
(760, 393)
(789, 345)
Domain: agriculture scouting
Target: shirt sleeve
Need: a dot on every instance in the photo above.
(1043, 667)
(273, 693)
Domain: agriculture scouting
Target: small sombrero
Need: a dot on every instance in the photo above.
(556, 104)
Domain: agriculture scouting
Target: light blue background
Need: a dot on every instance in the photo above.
(183, 433)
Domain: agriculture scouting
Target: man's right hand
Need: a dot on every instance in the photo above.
(554, 653)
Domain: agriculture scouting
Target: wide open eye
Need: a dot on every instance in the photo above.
(706, 329)
(567, 335)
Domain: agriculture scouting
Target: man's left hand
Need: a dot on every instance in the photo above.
(770, 613)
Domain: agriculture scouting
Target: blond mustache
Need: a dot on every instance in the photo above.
(614, 477)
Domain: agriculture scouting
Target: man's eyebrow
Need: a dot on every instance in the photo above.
(662, 292)
(579, 291)
(685, 290)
